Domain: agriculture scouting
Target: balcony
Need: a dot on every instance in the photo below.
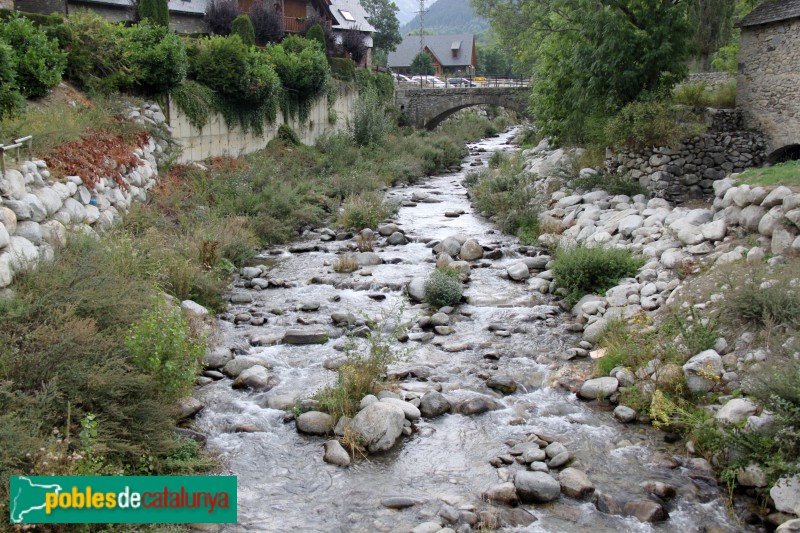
(298, 24)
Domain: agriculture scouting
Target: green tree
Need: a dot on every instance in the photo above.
(713, 21)
(316, 33)
(422, 64)
(494, 59)
(591, 58)
(243, 27)
(155, 10)
(383, 16)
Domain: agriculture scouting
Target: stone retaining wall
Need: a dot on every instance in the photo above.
(218, 139)
(713, 80)
(38, 212)
(690, 170)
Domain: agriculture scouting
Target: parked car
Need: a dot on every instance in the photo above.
(402, 78)
(461, 82)
(429, 80)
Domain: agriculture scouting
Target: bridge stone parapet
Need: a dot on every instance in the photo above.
(426, 108)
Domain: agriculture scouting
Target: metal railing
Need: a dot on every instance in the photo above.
(16, 145)
(438, 82)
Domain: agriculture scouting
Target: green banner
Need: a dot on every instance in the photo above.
(122, 499)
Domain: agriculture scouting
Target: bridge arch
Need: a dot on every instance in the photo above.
(427, 108)
(785, 153)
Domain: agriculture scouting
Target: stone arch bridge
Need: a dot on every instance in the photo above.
(426, 108)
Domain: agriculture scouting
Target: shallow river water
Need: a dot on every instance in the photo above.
(284, 485)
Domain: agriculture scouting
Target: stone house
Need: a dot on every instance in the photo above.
(768, 82)
(451, 54)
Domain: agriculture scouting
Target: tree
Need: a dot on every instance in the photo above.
(422, 64)
(382, 15)
(220, 15)
(267, 23)
(243, 27)
(494, 59)
(353, 43)
(316, 33)
(589, 58)
(155, 10)
(330, 39)
(714, 25)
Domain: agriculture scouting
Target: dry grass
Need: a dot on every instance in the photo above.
(345, 264)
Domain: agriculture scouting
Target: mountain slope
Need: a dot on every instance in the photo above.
(446, 17)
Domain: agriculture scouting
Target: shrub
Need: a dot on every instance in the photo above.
(156, 11)
(316, 34)
(353, 43)
(267, 24)
(39, 62)
(611, 183)
(641, 125)
(583, 270)
(303, 71)
(443, 288)
(345, 264)
(97, 53)
(365, 210)
(766, 301)
(343, 68)
(288, 135)
(196, 101)
(11, 100)
(220, 15)
(331, 47)
(369, 124)
(243, 27)
(157, 57)
(162, 345)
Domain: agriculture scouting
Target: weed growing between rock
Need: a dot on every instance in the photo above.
(443, 288)
(582, 270)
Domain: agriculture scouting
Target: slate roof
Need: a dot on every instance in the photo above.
(197, 7)
(361, 22)
(773, 11)
(439, 45)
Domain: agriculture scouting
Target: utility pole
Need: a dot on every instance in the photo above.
(421, 13)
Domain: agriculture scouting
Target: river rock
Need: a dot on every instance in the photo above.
(433, 404)
(378, 425)
(595, 330)
(475, 406)
(410, 411)
(427, 527)
(241, 297)
(646, 510)
(335, 454)
(598, 388)
(701, 370)
(450, 246)
(217, 357)
(575, 483)
(736, 410)
(194, 309)
(255, 378)
(790, 526)
(30, 230)
(752, 476)
(305, 336)
(786, 495)
(502, 383)
(397, 239)
(663, 490)
(504, 493)
(400, 502)
(416, 289)
(368, 259)
(471, 250)
(518, 271)
(536, 487)
(188, 407)
(517, 517)
(624, 414)
(22, 253)
(233, 368)
(315, 423)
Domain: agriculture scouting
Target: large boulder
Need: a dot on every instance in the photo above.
(450, 246)
(702, 371)
(416, 289)
(535, 487)
(598, 388)
(236, 366)
(409, 410)
(23, 254)
(315, 423)
(575, 483)
(433, 404)
(335, 454)
(504, 493)
(305, 336)
(736, 410)
(475, 406)
(518, 271)
(646, 510)
(378, 425)
(471, 250)
(786, 495)
(255, 378)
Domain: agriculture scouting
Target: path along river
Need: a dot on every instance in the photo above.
(284, 485)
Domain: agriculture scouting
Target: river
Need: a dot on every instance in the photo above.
(284, 485)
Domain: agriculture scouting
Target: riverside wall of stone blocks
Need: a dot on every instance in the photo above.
(217, 138)
(39, 212)
(689, 170)
(768, 83)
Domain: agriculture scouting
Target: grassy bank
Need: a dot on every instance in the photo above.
(93, 357)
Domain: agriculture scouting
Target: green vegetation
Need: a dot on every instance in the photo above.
(443, 288)
(382, 15)
(611, 183)
(243, 27)
(505, 193)
(422, 64)
(369, 125)
(583, 270)
(365, 210)
(699, 94)
(156, 11)
(317, 34)
(787, 173)
(303, 71)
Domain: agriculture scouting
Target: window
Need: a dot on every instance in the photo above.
(347, 15)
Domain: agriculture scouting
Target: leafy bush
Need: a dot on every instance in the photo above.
(583, 270)
(422, 64)
(288, 135)
(330, 47)
(243, 27)
(97, 53)
(162, 345)
(443, 288)
(196, 101)
(644, 124)
(11, 100)
(343, 68)
(317, 34)
(767, 301)
(220, 15)
(39, 62)
(156, 11)
(354, 45)
(365, 210)
(611, 183)
(698, 94)
(382, 84)
(303, 71)
(157, 57)
(369, 125)
(726, 59)
(267, 24)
